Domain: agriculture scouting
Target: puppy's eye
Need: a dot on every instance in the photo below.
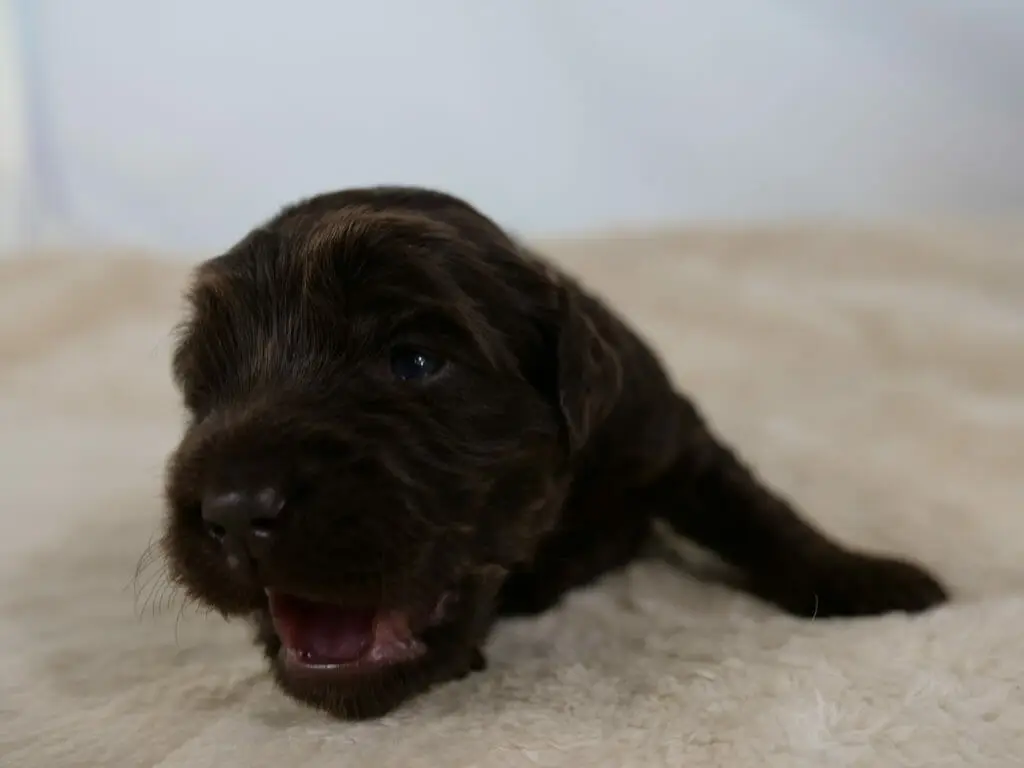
(414, 364)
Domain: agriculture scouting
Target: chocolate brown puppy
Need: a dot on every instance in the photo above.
(403, 425)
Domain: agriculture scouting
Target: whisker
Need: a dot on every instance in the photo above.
(167, 595)
(146, 590)
(151, 552)
(142, 585)
(177, 619)
(148, 555)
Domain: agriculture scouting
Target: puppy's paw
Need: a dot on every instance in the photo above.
(850, 584)
(527, 594)
(476, 662)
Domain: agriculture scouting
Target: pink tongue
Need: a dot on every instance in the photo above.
(319, 632)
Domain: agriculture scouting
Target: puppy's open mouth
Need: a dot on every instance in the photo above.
(319, 637)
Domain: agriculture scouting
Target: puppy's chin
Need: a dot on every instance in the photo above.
(359, 660)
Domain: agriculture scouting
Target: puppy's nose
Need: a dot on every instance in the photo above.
(243, 519)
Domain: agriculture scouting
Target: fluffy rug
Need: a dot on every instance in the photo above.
(876, 377)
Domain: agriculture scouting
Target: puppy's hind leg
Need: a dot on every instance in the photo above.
(709, 496)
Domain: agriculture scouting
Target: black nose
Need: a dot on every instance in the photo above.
(243, 519)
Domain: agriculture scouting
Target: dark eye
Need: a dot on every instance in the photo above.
(414, 364)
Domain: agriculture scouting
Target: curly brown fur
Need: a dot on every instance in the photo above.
(396, 409)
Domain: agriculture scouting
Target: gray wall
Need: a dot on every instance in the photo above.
(177, 125)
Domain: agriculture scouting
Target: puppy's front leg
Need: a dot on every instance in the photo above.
(709, 496)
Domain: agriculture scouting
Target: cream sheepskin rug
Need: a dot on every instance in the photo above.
(876, 377)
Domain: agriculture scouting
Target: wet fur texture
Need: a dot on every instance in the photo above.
(535, 462)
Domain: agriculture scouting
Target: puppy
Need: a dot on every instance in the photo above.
(403, 425)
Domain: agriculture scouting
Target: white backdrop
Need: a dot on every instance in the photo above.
(177, 125)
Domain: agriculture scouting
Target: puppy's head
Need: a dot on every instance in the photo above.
(384, 397)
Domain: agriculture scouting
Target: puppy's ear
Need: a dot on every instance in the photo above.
(588, 372)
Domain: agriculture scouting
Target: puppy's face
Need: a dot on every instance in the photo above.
(376, 432)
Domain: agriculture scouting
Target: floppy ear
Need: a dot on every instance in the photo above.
(587, 369)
